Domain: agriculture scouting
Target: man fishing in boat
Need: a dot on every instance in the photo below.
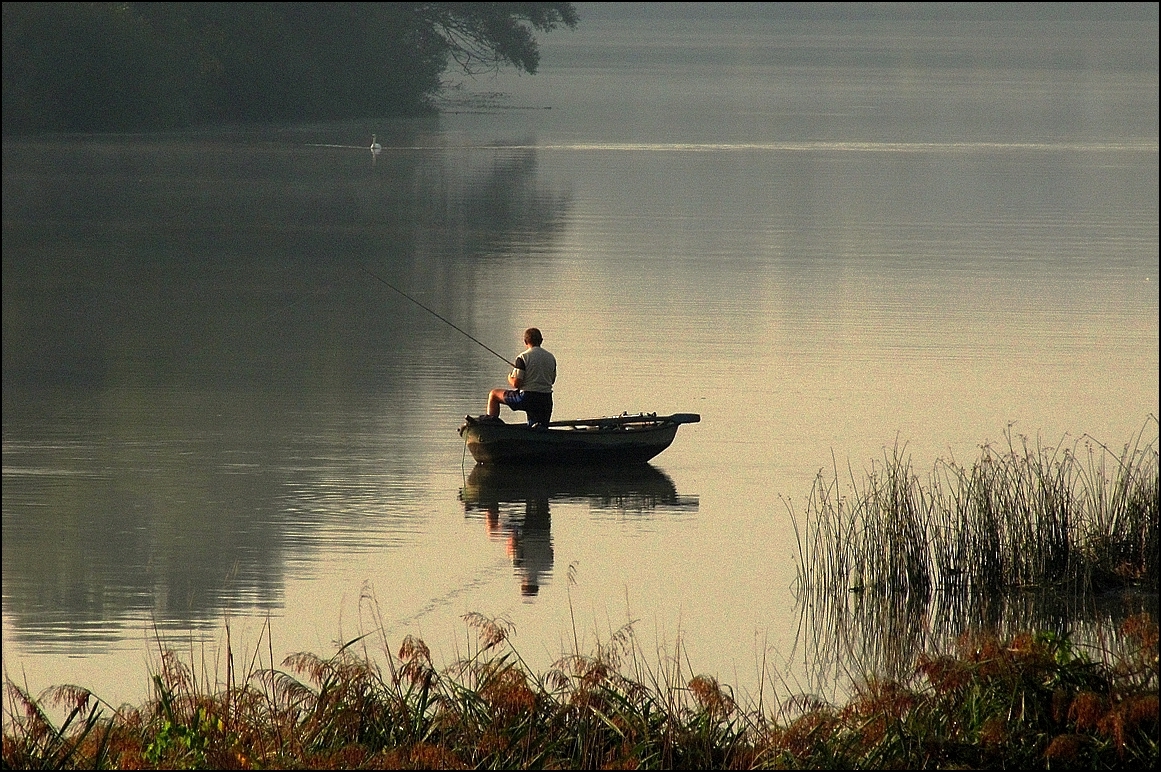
(531, 380)
(623, 439)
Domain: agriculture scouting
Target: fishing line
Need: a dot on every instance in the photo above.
(381, 280)
(284, 309)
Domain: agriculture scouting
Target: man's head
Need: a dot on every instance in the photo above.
(532, 337)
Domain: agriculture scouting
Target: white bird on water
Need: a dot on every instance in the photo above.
(375, 146)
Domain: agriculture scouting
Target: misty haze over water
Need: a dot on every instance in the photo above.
(829, 237)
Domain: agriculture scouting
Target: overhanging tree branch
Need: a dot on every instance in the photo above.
(482, 37)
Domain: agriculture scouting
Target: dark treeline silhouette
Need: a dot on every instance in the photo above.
(150, 66)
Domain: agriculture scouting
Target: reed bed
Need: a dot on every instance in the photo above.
(1058, 539)
(1032, 701)
(1021, 516)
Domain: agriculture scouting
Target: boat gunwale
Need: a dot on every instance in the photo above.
(623, 422)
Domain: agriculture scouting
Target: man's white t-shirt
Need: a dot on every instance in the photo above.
(539, 369)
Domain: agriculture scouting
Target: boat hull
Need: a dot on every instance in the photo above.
(617, 442)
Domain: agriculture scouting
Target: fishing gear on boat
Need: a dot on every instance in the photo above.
(381, 280)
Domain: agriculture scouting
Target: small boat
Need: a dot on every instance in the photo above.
(623, 439)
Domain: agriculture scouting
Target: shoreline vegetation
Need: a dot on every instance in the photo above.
(100, 67)
(1032, 701)
(894, 552)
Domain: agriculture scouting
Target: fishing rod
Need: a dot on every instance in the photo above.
(381, 280)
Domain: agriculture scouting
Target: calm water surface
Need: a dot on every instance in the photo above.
(826, 240)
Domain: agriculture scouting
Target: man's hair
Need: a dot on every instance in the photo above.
(533, 337)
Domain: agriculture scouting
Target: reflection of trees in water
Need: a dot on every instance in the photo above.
(196, 299)
(225, 256)
(845, 636)
(505, 204)
(515, 504)
(98, 530)
(487, 202)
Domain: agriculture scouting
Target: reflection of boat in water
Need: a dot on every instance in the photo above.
(605, 441)
(630, 488)
(515, 502)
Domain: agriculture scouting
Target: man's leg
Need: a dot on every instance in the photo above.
(540, 411)
(495, 398)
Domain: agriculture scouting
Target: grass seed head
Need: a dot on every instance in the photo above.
(1064, 748)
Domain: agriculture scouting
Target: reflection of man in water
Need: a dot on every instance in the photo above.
(529, 543)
